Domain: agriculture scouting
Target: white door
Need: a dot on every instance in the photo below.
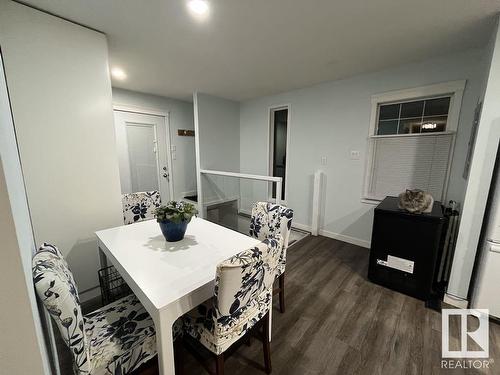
(143, 145)
(488, 283)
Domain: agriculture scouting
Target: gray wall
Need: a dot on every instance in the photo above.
(60, 91)
(481, 171)
(181, 117)
(330, 119)
(218, 134)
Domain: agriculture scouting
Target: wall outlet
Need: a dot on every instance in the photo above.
(324, 160)
(355, 155)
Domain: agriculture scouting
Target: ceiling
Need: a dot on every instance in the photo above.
(251, 48)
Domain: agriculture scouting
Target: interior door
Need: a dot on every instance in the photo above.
(143, 145)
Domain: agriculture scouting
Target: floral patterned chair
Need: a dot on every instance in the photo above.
(115, 339)
(241, 302)
(268, 220)
(140, 206)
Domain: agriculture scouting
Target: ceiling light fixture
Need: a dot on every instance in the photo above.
(198, 8)
(118, 73)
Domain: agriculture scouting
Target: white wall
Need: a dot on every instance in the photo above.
(218, 136)
(330, 119)
(60, 91)
(20, 321)
(481, 171)
(20, 352)
(181, 117)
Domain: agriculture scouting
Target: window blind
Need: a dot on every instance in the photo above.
(419, 162)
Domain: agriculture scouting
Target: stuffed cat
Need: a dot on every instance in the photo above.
(416, 201)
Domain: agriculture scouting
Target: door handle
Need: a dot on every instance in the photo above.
(165, 175)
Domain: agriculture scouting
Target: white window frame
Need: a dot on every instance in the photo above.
(270, 150)
(454, 89)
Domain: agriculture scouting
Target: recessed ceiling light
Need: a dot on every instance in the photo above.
(198, 8)
(118, 73)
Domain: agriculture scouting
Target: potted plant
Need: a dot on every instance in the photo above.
(174, 218)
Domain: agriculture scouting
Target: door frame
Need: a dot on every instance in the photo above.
(166, 119)
(270, 151)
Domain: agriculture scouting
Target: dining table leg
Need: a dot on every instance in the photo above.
(165, 343)
(103, 260)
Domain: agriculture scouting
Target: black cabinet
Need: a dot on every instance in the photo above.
(405, 248)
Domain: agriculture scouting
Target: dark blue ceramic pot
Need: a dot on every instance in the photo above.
(173, 231)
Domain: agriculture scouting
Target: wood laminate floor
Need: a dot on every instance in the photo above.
(337, 322)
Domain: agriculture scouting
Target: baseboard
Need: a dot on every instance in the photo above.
(304, 227)
(89, 294)
(245, 212)
(335, 236)
(188, 193)
(216, 201)
(344, 238)
(455, 301)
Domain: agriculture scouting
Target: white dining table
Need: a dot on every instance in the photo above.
(169, 278)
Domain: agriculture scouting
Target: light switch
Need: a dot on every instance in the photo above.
(173, 148)
(355, 155)
(174, 155)
(324, 160)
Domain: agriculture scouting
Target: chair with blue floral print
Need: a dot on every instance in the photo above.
(269, 220)
(241, 302)
(115, 339)
(140, 206)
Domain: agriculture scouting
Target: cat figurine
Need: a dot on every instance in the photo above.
(416, 201)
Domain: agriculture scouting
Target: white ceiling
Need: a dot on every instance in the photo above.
(251, 48)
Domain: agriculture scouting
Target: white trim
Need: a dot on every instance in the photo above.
(166, 119)
(336, 236)
(270, 139)
(453, 88)
(218, 201)
(342, 237)
(89, 294)
(141, 110)
(412, 135)
(455, 301)
(371, 201)
(197, 154)
(245, 212)
(316, 202)
(276, 180)
(300, 226)
(187, 193)
(241, 175)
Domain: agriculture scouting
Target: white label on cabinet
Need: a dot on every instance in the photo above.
(400, 264)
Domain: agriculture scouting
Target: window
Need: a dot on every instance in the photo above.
(420, 116)
(278, 147)
(411, 140)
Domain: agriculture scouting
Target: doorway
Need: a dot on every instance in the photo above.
(143, 144)
(278, 147)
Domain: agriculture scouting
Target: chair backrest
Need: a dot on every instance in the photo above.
(244, 279)
(56, 288)
(140, 206)
(270, 219)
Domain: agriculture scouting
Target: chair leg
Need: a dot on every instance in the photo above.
(281, 280)
(219, 364)
(179, 366)
(266, 345)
